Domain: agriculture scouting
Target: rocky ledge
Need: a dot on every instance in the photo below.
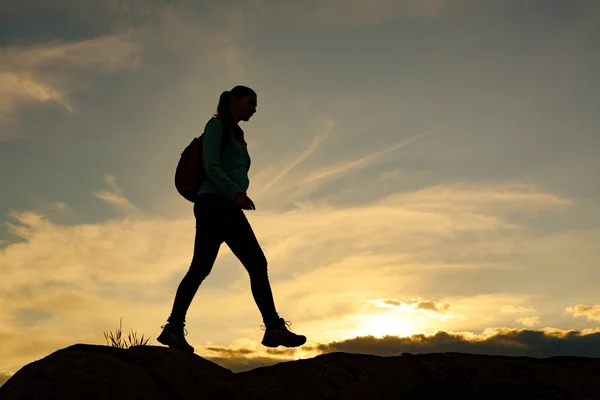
(150, 372)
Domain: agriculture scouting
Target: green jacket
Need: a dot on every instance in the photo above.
(228, 174)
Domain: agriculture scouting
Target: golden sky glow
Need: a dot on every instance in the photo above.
(422, 172)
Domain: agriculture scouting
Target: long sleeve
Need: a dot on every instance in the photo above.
(212, 160)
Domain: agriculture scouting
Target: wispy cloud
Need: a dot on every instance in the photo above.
(117, 200)
(458, 195)
(339, 169)
(314, 145)
(103, 54)
(115, 196)
(21, 88)
(319, 281)
(298, 189)
(28, 222)
(50, 72)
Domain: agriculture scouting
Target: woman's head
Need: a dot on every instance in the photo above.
(238, 104)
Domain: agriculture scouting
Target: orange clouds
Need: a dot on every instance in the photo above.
(591, 312)
(335, 271)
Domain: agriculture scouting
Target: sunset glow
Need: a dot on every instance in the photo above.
(417, 167)
(380, 325)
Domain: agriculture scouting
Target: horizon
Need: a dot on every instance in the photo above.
(419, 167)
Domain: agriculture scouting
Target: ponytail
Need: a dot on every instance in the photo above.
(224, 106)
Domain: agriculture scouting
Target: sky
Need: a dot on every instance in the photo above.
(424, 174)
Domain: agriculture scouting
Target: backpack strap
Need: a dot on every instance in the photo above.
(226, 133)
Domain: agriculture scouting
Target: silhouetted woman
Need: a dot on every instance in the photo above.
(220, 218)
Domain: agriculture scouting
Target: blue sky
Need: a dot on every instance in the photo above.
(406, 155)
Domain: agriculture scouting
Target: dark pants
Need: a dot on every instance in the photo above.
(221, 220)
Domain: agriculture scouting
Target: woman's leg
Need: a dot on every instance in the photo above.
(240, 238)
(209, 236)
(206, 248)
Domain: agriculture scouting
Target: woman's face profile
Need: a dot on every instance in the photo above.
(244, 107)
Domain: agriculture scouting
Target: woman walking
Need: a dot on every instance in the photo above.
(220, 218)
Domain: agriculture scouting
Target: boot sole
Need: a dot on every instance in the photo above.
(172, 342)
(273, 343)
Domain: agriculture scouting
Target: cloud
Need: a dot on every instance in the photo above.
(130, 266)
(102, 54)
(497, 341)
(17, 88)
(301, 186)
(416, 304)
(591, 312)
(50, 72)
(115, 196)
(229, 352)
(404, 218)
(339, 169)
(116, 199)
(546, 342)
(463, 195)
(529, 321)
(28, 222)
(314, 145)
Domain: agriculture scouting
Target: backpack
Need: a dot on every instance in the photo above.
(190, 172)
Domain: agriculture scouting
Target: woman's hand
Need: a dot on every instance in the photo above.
(244, 202)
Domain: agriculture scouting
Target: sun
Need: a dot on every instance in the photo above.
(380, 325)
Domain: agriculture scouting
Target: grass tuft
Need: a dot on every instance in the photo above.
(118, 340)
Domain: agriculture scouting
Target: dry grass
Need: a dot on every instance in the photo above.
(118, 340)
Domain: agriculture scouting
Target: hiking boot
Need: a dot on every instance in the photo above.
(174, 337)
(279, 334)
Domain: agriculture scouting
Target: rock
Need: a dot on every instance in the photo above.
(101, 372)
(150, 372)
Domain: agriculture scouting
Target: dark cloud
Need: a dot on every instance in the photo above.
(229, 352)
(507, 342)
(418, 304)
(431, 306)
(282, 352)
(239, 360)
